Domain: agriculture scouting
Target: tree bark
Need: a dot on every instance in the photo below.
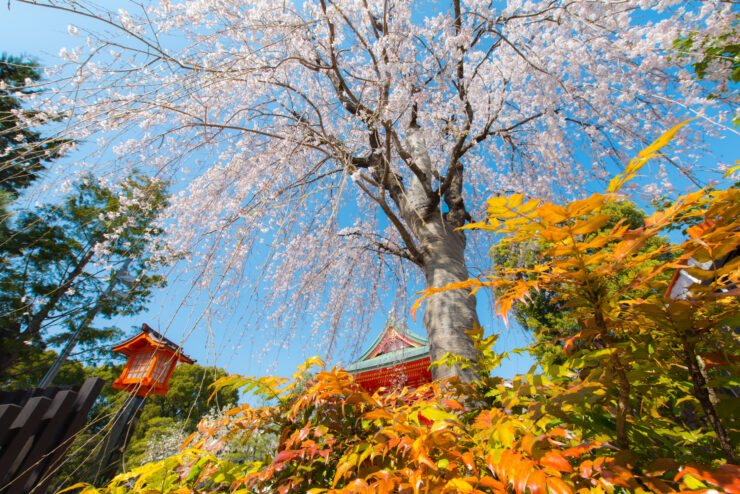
(701, 392)
(448, 314)
(442, 258)
(623, 402)
(623, 399)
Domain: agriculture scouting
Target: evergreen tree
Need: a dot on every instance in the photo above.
(59, 260)
(23, 152)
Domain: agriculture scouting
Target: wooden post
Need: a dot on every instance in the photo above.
(117, 439)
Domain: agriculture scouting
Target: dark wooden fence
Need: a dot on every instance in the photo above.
(37, 427)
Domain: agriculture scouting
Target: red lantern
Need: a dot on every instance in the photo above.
(151, 360)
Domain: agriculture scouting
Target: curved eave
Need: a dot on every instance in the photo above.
(154, 340)
(400, 329)
(389, 359)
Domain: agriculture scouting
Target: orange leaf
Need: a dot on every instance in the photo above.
(453, 404)
(552, 213)
(570, 345)
(422, 458)
(537, 482)
(520, 475)
(492, 483)
(188, 440)
(527, 443)
(555, 460)
(557, 486)
(585, 206)
(469, 461)
(587, 469)
(591, 225)
(580, 450)
(378, 413)
(726, 476)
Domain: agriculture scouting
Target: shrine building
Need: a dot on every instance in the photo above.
(397, 358)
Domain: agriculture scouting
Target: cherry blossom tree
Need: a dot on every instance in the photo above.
(353, 137)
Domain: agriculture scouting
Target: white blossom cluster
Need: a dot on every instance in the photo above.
(218, 440)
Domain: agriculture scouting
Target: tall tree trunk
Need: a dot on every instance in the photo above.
(448, 314)
(440, 251)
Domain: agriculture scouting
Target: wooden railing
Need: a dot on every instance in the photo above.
(37, 427)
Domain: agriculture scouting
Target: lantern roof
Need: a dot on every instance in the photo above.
(151, 338)
(395, 345)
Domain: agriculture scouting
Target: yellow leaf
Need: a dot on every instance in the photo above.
(529, 206)
(506, 434)
(515, 200)
(731, 170)
(643, 157)
(591, 225)
(435, 414)
(664, 139)
(552, 213)
(482, 225)
(458, 485)
(87, 487)
(497, 201)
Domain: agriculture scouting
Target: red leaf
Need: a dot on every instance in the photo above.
(453, 404)
(286, 455)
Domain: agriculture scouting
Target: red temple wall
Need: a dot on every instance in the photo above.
(411, 374)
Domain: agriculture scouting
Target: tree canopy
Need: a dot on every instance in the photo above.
(351, 138)
(24, 151)
(59, 258)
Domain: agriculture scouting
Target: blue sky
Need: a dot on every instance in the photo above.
(41, 33)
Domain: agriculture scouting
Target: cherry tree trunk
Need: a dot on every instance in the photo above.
(448, 314)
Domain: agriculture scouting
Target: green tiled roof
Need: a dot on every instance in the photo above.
(395, 357)
(389, 359)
